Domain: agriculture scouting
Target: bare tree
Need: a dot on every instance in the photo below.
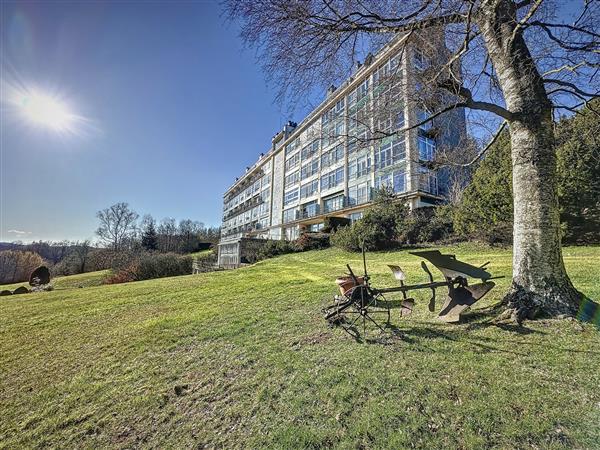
(509, 63)
(117, 225)
(167, 235)
(81, 252)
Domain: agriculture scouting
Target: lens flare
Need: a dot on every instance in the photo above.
(32, 107)
(46, 111)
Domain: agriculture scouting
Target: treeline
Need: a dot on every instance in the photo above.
(125, 244)
(121, 229)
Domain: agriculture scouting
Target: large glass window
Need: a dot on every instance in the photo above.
(422, 61)
(309, 169)
(359, 167)
(309, 189)
(332, 156)
(292, 178)
(292, 162)
(359, 194)
(391, 151)
(332, 179)
(310, 150)
(333, 204)
(289, 215)
(426, 148)
(395, 180)
(291, 196)
(310, 210)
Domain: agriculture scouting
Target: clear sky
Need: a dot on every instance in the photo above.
(174, 110)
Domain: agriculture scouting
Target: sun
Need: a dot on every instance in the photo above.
(46, 111)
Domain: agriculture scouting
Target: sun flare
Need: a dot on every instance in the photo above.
(46, 111)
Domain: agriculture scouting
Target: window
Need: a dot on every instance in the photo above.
(355, 216)
(333, 204)
(289, 215)
(332, 179)
(292, 162)
(292, 178)
(421, 116)
(395, 180)
(426, 148)
(309, 169)
(390, 152)
(310, 210)
(363, 90)
(315, 227)
(359, 194)
(292, 233)
(332, 156)
(421, 60)
(310, 150)
(339, 107)
(309, 189)
(291, 196)
(339, 128)
(359, 167)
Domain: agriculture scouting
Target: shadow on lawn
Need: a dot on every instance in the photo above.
(417, 335)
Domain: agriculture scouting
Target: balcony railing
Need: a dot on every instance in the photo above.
(310, 211)
(428, 182)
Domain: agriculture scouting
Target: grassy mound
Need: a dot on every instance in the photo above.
(243, 359)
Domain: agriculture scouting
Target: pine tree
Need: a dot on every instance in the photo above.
(149, 235)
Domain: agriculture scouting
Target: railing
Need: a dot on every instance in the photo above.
(310, 211)
(243, 207)
(428, 182)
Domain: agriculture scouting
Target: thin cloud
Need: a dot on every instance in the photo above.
(19, 232)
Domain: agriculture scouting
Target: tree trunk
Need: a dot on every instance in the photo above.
(540, 283)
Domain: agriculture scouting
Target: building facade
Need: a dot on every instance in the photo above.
(331, 163)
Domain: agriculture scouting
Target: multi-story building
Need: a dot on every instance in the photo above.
(331, 162)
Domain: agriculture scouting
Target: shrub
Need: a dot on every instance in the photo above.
(145, 266)
(378, 227)
(428, 224)
(160, 265)
(271, 249)
(311, 241)
(16, 266)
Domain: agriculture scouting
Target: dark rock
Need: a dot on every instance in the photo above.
(5, 292)
(21, 290)
(39, 276)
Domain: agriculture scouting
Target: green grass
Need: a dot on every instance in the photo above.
(243, 359)
(70, 281)
(201, 254)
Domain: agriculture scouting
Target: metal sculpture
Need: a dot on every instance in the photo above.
(359, 303)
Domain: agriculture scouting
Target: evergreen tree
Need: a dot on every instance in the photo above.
(149, 235)
(579, 176)
(486, 209)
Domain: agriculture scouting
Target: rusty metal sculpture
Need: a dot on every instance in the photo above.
(360, 303)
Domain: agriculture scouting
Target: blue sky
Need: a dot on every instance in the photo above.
(176, 109)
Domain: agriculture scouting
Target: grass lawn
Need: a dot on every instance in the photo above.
(243, 359)
(68, 282)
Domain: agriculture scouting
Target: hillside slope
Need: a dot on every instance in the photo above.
(243, 359)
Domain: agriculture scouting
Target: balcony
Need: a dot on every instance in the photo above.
(309, 211)
(428, 183)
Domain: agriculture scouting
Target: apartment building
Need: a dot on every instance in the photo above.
(331, 163)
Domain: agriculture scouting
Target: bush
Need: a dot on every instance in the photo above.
(311, 241)
(378, 227)
(270, 249)
(16, 266)
(146, 266)
(423, 225)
